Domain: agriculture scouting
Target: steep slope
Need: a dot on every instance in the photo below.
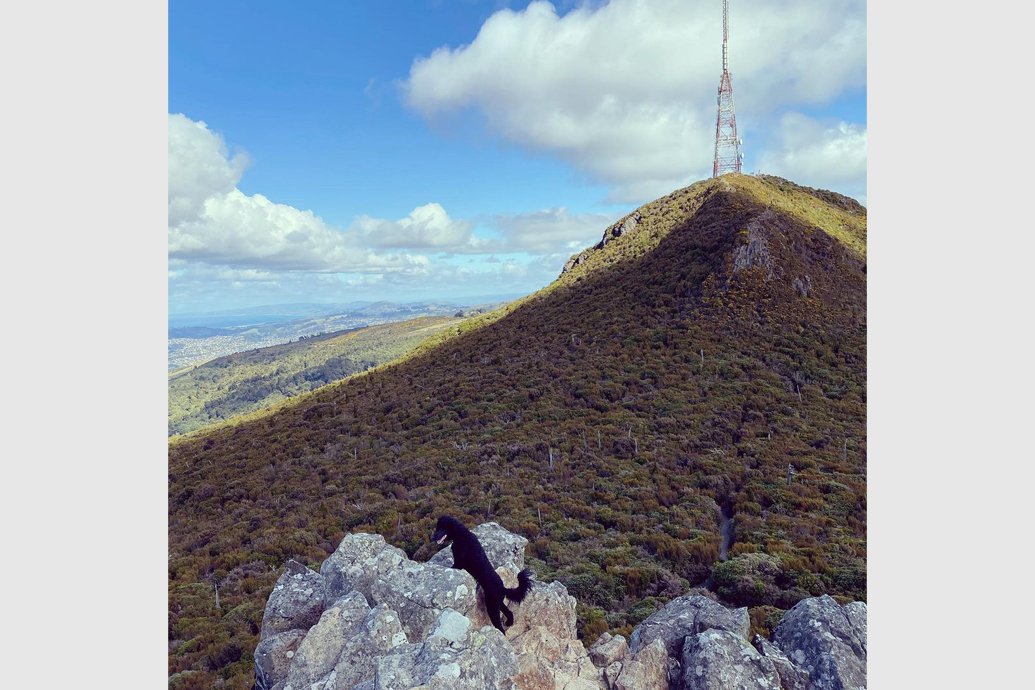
(669, 376)
(256, 379)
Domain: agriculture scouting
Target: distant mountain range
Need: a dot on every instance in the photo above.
(276, 313)
(198, 338)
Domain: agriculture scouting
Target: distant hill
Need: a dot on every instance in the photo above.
(257, 379)
(635, 420)
(200, 332)
(204, 337)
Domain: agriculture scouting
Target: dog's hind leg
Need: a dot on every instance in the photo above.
(508, 614)
(492, 607)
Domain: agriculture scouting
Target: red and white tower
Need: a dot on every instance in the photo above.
(727, 144)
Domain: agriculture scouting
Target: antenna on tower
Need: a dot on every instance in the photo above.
(727, 143)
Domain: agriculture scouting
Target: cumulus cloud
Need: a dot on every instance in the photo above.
(220, 236)
(212, 221)
(200, 167)
(625, 91)
(549, 231)
(827, 155)
(427, 226)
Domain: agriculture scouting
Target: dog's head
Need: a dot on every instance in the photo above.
(445, 530)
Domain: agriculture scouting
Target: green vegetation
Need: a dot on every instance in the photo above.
(258, 379)
(680, 367)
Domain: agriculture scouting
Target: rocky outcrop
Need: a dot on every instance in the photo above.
(826, 640)
(383, 622)
(791, 677)
(688, 615)
(273, 656)
(622, 227)
(648, 668)
(295, 603)
(717, 659)
(754, 252)
(359, 561)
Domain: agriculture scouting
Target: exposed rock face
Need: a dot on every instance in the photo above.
(622, 227)
(688, 615)
(856, 612)
(322, 646)
(719, 659)
(574, 261)
(296, 601)
(826, 640)
(791, 677)
(755, 251)
(649, 668)
(607, 650)
(453, 656)
(384, 622)
(419, 591)
(358, 562)
(273, 657)
(544, 635)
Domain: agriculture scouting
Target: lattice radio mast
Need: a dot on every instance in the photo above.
(727, 145)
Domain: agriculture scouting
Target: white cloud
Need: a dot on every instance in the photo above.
(212, 221)
(549, 231)
(626, 91)
(199, 168)
(222, 241)
(831, 156)
(427, 226)
(430, 227)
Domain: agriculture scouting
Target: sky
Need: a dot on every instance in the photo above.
(462, 149)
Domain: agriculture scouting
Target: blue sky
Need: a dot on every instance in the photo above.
(449, 149)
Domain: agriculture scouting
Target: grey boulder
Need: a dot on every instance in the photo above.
(273, 657)
(357, 564)
(295, 603)
(647, 669)
(791, 677)
(827, 641)
(420, 591)
(452, 657)
(688, 615)
(607, 650)
(721, 660)
(319, 652)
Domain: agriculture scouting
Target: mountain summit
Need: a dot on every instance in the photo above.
(683, 407)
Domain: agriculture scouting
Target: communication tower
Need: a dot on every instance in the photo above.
(727, 144)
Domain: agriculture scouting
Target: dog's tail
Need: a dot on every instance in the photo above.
(517, 594)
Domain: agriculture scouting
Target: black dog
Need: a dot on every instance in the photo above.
(469, 555)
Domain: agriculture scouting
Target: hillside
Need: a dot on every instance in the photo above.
(619, 419)
(257, 379)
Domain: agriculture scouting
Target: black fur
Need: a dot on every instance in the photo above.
(469, 555)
